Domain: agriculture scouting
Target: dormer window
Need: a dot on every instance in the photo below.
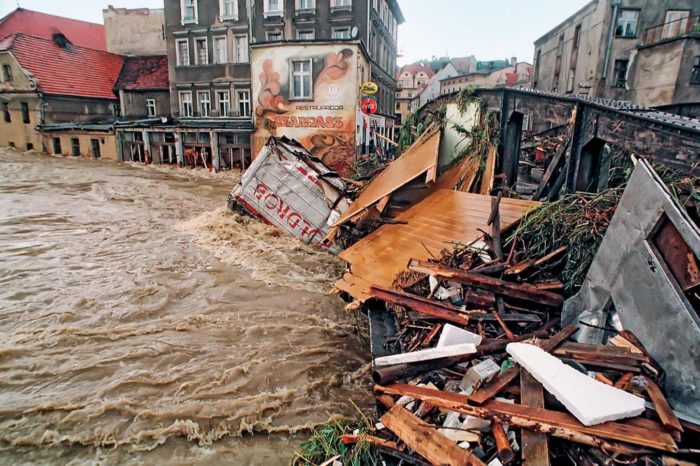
(228, 9)
(273, 8)
(188, 10)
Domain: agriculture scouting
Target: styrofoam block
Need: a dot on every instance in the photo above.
(476, 423)
(452, 335)
(426, 355)
(590, 401)
(452, 430)
(479, 374)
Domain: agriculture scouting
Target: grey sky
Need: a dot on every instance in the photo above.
(489, 29)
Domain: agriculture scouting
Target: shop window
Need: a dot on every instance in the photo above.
(95, 143)
(627, 23)
(75, 146)
(57, 146)
(620, 73)
(302, 80)
(25, 113)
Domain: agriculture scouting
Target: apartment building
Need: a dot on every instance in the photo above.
(410, 79)
(643, 51)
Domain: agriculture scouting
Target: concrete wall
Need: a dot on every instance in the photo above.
(107, 141)
(135, 32)
(133, 104)
(59, 109)
(432, 90)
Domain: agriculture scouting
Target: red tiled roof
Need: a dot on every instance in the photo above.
(144, 73)
(414, 69)
(70, 70)
(34, 23)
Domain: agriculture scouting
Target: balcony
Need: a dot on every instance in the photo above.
(672, 29)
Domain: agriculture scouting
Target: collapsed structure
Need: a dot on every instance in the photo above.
(463, 252)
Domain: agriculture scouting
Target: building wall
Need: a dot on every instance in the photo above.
(107, 141)
(135, 32)
(686, 92)
(59, 109)
(134, 103)
(325, 124)
(458, 83)
(653, 81)
(581, 70)
(432, 89)
(20, 89)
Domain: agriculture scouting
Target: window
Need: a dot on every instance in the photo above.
(676, 23)
(95, 143)
(301, 79)
(7, 73)
(341, 3)
(341, 33)
(30, 146)
(204, 100)
(224, 103)
(620, 73)
(627, 23)
(228, 9)
(25, 113)
(241, 49)
(220, 50)
(274, 8)
(186, 104)
(695, 75)
(202, 51)
(151, 107)
(183, 52)
(189, 11)
(274, 36)
(306, 35)
(306, 4)
(243, 103)
(57, 146)
(374, 5)
(75, 146)
(6, 112)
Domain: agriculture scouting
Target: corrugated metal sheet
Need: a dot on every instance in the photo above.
(288, 188)
(444, 218)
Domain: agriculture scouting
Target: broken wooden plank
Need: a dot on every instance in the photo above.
(349, 439)
(663, 409)
(552, 255)
(557, 424)
(535, 450)
(505, 452)
(521, 291)
(425, 440)
(596, 354)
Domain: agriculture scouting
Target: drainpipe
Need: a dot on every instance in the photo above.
(615, 4)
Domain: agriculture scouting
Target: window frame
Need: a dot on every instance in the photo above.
(217, 55)
(620, 83)
(7, 73)
(293, 74)
(7, 116)
(26, 119)
(56, 146)
(183, 19)
(95, 146)
(219, 101)
(182, 103)
(636, 23)
(695, 71)
(247, 101)
(201, 101)
(306, 31)
(335, 30)
(151, 105)
(75, 147)
(196, 41)
(275, 32)
(269, 13)
(222, 8)
(341, 4)
(178, 54)
(236, 52)
(673, 28)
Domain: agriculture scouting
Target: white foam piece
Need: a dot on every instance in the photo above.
(590, 401)
(426, 355)
(452, 335)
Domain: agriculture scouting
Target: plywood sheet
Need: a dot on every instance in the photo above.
(419, 159)
(443, 218)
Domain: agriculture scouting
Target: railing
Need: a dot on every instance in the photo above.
(679, 27)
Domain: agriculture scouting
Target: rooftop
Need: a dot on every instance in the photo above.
(144, 74)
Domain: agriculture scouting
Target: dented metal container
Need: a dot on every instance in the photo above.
(289, 188)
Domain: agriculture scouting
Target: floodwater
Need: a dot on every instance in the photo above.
(142, 323)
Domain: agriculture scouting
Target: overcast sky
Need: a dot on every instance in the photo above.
(489, 29)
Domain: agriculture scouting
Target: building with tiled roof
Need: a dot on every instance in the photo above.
(143, 87)
(410, 80)
(50, 81)
(34, 23)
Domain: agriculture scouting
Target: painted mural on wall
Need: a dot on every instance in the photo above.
(308, 93)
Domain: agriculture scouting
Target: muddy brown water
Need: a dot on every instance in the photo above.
(142, 323)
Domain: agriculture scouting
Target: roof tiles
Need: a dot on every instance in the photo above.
(144, 73)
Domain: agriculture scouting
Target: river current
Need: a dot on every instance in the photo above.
(142, 323)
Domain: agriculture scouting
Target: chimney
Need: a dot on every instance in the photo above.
(513, 61)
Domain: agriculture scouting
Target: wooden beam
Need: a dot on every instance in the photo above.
(371, 439)
(505, 452)
(557, 424)
(663, 409)
(521, 291)
(535, 450)
(425, 440)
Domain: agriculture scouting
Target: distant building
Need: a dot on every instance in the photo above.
(517, 75)
(410, 80)
(143, 87)
(456, 67)
(135, 32)
(34, 23)
(646, 52)
(45, 81)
